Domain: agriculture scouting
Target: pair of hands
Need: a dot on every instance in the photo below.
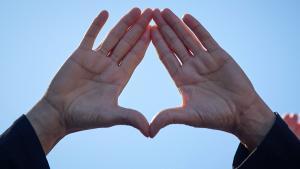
(216, 93)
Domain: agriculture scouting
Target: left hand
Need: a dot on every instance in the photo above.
(216, 92)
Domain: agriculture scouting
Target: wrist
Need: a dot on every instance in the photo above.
(47, 123)
(254, 124)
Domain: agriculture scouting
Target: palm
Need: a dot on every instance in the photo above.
(217, 95)
(89, 93)
(86, 89)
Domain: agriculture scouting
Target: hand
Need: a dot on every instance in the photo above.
(84, 93)
(216, 93)
(292, 122)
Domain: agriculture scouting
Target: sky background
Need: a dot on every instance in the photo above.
(36, 38)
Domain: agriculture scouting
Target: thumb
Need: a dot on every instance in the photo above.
(167, 117)
(133, 118)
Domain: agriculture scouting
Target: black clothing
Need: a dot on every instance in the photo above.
(279, 149)
(20, 149)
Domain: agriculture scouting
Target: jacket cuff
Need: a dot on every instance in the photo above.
(22, 146)
(279, 149)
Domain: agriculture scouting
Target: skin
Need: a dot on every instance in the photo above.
(84, 93)
(216, 92)
(293, 123)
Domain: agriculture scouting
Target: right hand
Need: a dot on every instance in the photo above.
(84, 93)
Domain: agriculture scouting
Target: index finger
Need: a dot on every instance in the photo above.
(165, 54)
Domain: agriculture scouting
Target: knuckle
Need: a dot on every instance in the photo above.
(116, 33)
(177, 25)
(127, 42)
(103, 50)
(125, 23)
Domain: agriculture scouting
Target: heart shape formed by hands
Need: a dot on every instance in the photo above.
(216, 92)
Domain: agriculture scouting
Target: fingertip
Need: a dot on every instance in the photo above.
(148, 10)
(144, 130)
(104, 13)
(151, 136)
(146, 133)
(136, 11)
(156, 10)
(286, 116)
(148, 13)
(102, 17)
(292, 116)
(152, 132)
(166, 11)
(135, 119)
(144, 125)
(295, 117)
(155, 125)
(156, 13)
(187, 17)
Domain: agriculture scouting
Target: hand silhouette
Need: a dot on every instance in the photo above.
(216, 92)
(84, 93)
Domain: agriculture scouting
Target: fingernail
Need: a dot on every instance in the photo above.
(136, 9)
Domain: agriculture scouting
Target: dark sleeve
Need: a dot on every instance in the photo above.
(280, 149)
(20, 147)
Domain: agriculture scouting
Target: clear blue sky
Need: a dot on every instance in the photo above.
(37, 37)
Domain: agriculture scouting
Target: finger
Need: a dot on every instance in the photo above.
(286, 117)
(171, 38)
(165, 54)
(203, 35)
(133, 118)
(136, 54)
(91, 34)
(182, 31)
(291, 120)
(167, 117)
(118, 31)
(132, 36)
(294, 117)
